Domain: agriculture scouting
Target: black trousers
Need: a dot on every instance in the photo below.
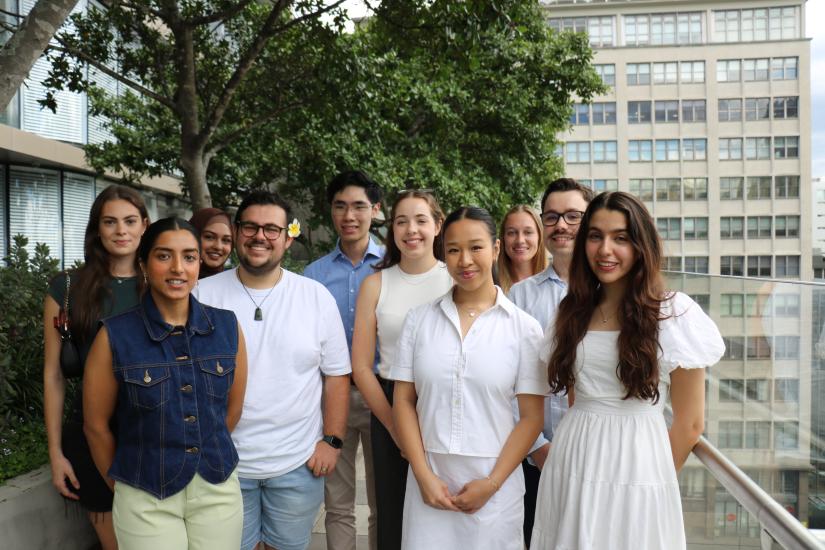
(531, 486)
(390, 472)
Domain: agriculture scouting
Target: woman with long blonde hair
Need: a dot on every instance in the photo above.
(522, 240)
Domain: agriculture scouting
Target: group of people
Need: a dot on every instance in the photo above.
(220, 408)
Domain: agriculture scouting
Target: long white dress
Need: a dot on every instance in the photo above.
(609, 481)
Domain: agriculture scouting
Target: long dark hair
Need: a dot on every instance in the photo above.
(162, 226)
(639, 312)
(393, 253)
(90, 284)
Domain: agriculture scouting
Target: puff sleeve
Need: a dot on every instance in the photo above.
(687, 336)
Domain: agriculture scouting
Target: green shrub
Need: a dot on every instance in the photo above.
(22, 447)
(23, 284)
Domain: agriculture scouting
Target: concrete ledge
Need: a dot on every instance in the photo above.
(33, 515)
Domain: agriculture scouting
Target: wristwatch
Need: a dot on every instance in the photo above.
(334, 442)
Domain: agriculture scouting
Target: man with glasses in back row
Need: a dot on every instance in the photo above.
(297, 395)
(563, 205)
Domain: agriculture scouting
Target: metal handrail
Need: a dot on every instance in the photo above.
(774, 519)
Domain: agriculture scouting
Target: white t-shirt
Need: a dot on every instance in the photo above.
(466, 388)
(300, 337)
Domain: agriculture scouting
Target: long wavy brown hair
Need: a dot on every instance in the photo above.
(639, 313)
(90, 284)
(393, 254)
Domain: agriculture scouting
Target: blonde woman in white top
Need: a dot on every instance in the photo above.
(461, 362)
(409, 275)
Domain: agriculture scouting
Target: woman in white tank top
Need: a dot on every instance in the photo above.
(410, 274)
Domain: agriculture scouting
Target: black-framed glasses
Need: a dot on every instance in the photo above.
(250, 229)
(571, 217)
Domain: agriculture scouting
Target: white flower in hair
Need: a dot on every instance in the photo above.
(294, 229)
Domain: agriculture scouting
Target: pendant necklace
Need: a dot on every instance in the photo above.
(259, 314)
(605, 319)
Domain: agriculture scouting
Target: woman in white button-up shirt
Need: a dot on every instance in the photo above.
(460, 363)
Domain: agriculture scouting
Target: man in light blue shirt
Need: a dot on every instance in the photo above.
(355, 202)
(563, 205)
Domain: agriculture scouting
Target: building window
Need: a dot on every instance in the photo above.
(756, 25)
(784, 68)
(667, 111)
(695, 189)
(578, 152)
(731, 228)
(672, 263)
(600, 31)
(730, 148)
(758, 347)
(759, 227)
(604, 151)
(787, 347)
(753, 305)
(734, 348)
(34, 207)
(695, 228)
(759, 187)
(568, 24)
(754, 70)
(668, 189)
(759, 266)
(785, 305)
(640, 150)
(732, 305)
(786, 435)
(786, 147)
(667, 149)
(580, 114)
(731, 390)
(638, 112)
(730, 110)
(786, 187)
(728, 70)
(604, 185)
(604, 113)
(787, 266)
(638, 74)
(607, 72)
(730, 188)
(786, 226)
(694, 149)
(636, 30)
(757, 389)
(694, 110)
(786, 107)
(758, 148)
(757, 434)
(757, 108)
(670, 229)
(692, 71)
(703, 301)
(732, 265)
(697, 264)
(642, 188)
(730, 434)
(665, 73)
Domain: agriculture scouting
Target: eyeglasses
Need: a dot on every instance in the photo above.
(402, 192)
(341, 208)
(250, 229)
(571, 217)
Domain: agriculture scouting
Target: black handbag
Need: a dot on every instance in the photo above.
(70, 364)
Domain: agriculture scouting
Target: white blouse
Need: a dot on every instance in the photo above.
(466, 388)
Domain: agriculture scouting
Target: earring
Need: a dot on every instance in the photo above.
(145, 278)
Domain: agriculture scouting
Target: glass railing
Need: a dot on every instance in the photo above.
(765, 406)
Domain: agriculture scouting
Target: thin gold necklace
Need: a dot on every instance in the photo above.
(605, 319)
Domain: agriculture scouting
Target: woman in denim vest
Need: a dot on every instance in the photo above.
(173, 372)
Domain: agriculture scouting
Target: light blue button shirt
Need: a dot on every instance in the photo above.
(343, 280)
(540, 296)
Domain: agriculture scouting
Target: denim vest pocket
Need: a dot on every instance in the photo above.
(219, 374)
(147, 387)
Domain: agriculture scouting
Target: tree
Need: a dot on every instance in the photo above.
(28, 42)
(195, 71)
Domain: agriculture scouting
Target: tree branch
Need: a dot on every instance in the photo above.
(218, 16)
(308, 16)
(226, 140)
(140, 8)
(165, 101)
(11, 14)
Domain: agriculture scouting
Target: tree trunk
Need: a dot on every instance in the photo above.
(28, 43)
(194, 171)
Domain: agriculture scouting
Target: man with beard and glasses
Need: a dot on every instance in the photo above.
(297, 397)
(562, 207)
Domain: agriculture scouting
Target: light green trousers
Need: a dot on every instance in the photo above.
(203, 516)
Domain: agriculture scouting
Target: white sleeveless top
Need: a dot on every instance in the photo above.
(400, 292)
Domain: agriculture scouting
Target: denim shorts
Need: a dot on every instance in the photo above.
(281, 510)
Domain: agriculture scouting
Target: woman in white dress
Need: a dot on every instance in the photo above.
(461, 362)
(620, 345)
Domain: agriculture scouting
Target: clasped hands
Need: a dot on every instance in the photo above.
(469, 499)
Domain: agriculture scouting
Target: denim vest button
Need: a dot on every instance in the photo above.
(182, 358)
(146, 377)
(187, 388)
(192, 450)
(219, 368)
(189, 418)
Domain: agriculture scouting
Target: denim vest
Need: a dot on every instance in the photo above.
(173, 388)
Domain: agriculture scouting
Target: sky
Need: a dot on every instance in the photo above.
(815, 15)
